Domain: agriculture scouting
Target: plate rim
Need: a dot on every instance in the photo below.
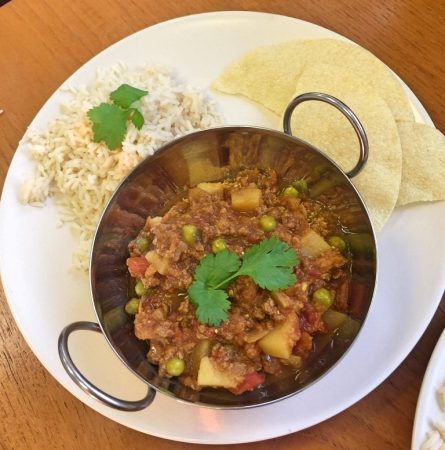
(352, 399)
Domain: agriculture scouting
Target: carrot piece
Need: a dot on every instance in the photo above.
(137, 265)
(251, 381)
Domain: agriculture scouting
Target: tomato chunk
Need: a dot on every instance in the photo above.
(137, 265)
(251, 381)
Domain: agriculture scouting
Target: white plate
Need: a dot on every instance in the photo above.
(44, 297)
(428, 410)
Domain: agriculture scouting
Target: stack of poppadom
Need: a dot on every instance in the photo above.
(406, 160)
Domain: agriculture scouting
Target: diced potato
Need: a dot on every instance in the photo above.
(210, 375)
(159, 264)
(246, 199)
(211, 188)
(280, 341)
(313, 244)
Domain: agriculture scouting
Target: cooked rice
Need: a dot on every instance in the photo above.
(441, 394)
(80, 174)
(440, 427)
(435, 439)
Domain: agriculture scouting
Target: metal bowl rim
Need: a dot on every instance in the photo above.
(166, 147)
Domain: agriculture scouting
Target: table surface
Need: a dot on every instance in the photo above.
(39, 49)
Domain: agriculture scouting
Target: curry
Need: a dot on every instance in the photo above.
(262, 334)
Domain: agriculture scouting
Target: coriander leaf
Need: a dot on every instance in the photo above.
(125, 95)
(109, 124)
(137, 118)
(215, 270)
(212, 304)
(270, 264)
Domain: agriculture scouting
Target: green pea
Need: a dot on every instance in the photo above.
(290, 191)
(140, 289)
(175, 366)
(132, 306)
(322, 297)
(143, 244)
(189, 233)
(337, 242)
(300, 185)
(218, 245)
(268, 223)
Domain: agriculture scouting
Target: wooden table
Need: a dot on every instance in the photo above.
(42, 43)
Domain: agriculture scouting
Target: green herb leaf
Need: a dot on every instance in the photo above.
(212, 304)
(110, 121)
(270, 264)
(125, 95)
(137, 118)
(216, 269)
(109, 124)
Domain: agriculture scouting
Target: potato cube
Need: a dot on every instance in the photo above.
(159, 263)
(210, 375)
(313, 244)
(211, 188)
(246, 199)
(280, 341)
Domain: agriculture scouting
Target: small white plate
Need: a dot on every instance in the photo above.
(44, 297)
(428, 411)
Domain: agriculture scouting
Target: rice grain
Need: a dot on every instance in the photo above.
(79, 174)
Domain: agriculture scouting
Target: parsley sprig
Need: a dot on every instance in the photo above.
(110, 119)
(270, 264)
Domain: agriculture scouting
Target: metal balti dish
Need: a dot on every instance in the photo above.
(151, 188)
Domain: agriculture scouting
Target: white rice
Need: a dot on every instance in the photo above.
(441, 394)
(80, 174)
(435, 439)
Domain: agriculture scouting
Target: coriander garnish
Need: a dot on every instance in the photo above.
(110, 119)
(270, 264)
